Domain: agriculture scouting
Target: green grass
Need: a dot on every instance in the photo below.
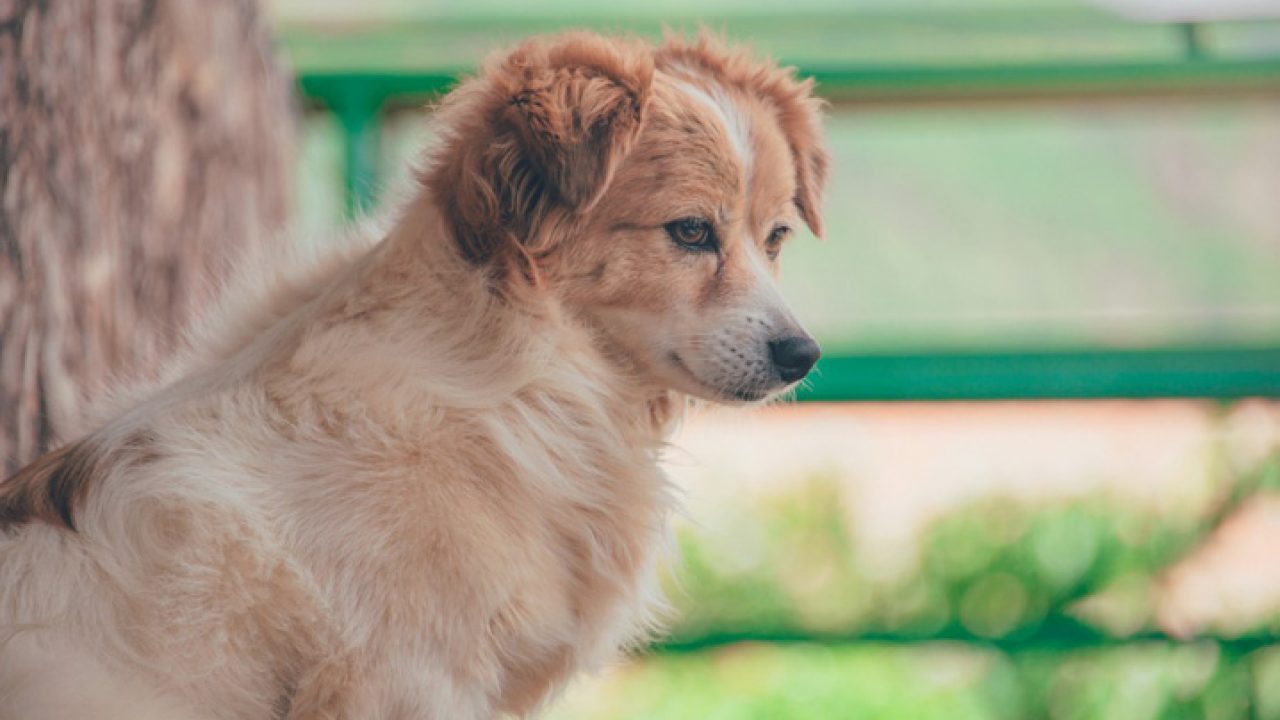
(942, 682)
(769, 683)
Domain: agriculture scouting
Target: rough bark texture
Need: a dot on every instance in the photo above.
(143, 144)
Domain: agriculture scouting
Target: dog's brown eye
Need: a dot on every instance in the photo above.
(773, 244)
(692, 234)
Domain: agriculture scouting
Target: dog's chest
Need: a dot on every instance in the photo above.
(592, 582)
(550, 629)
(525, 557)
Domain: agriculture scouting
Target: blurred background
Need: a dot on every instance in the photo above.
(1035, 475)
(1037, 472)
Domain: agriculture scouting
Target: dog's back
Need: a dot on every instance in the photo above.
(135, 555)
(116, 603)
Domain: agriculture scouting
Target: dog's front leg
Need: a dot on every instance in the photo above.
(406, 689)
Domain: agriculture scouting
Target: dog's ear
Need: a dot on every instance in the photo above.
(801, 118)
(578, 109)
(543, 128)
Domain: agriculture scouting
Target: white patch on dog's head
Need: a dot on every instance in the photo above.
(737, 125)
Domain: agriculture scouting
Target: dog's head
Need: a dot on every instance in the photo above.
(650, 189)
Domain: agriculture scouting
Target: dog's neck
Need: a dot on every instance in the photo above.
(420, 295)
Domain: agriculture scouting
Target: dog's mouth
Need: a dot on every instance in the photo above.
(713, 392)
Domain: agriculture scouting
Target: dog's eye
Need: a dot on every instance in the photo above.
(692, 234)
(773, 244)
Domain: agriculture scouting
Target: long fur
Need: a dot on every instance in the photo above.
(418, 479)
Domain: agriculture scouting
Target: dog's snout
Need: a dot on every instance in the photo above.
(794, 356)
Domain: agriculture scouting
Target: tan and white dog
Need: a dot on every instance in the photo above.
(421, 480)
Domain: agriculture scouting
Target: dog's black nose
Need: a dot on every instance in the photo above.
(794, 356)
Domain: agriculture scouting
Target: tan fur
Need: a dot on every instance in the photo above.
(421, 480)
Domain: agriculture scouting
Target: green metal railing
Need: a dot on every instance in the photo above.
(1057, 633)
(1224, 373)
(359, 94)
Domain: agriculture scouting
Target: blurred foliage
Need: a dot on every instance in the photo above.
(993, 570)
(996, 569)
(778, 618)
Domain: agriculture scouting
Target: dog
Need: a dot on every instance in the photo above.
(420, 479)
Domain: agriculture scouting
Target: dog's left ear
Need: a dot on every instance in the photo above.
(543, 128)
(577, 107)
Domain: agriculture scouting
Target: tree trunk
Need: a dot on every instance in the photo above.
(143, 144)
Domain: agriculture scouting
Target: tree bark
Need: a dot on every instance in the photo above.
(143, 145)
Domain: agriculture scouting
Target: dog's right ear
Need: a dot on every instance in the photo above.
(543, 128)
